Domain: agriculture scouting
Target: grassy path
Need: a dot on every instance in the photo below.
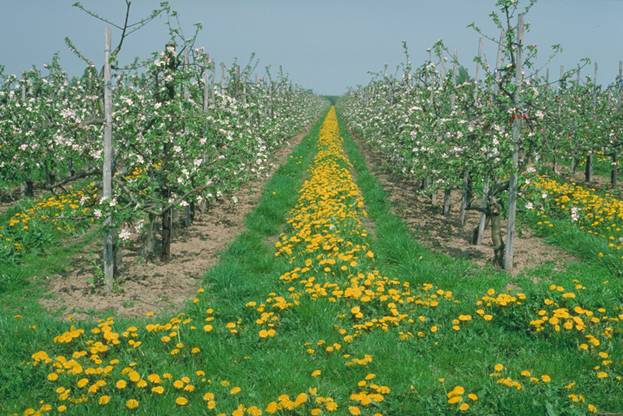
(332, 317)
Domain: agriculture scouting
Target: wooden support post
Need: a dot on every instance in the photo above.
(442, 69)
(223, 81)
(238, 84)
(512, 187)
(165, 191)
(108, 249)
(614, 162)
(188, 209)
(620, 82)
(28, 187)
(467, 181)
(206, 86)
(185, 90)
(578, 76)
(499, 59)
(455, 74)
(588, 168)
(574, 160)
(477, 71)
(560, 86)
(482, 222)
(213, 83)
(467, 193)
(547, 78)
(448, 191)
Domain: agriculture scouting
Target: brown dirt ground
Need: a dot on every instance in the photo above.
(445, 234)
(598, 181)
(4, 207)
(8, 198)
(158, 287)
(601, 182)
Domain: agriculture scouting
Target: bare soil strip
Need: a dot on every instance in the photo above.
(157, 287)
(445, 234)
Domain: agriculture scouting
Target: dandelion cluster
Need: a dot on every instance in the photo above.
(39, 222)
(598, 214)
(328, 261)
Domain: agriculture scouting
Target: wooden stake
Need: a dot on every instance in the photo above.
(108, 252)
(222, 77)
(512, 188)
(448, 191)
(28, 187)
(455, 74)
(165, 191)
(614, 162)
(206, 87)
(620, 80)
(188, 209)
(560, 84)
(547, 78)
(588, 169)
(185, 90)
(477, 72)
(577, 76)
(213, 82)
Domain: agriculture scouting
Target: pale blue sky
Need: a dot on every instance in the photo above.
(324, 45)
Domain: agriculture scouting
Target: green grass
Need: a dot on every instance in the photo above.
(582, 245)
(18, 280)
(264, 369)
(33, 227)
(601, 166)
(467, 358)
(247, 269)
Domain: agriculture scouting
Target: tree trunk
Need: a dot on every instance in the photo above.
(167, 219)
(613, 171)
(187, 219)
(446, 202)
(118, 258)
(70, 167)
(48, 170)
(165, 191)
(467, 196)
(482, 224)
(588, 168)
(479, 230)
(496, 232)
(50, 177)
(554, 165)
(28, 189)
(149, 237)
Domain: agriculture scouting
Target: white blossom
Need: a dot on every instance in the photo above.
(125, 234)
